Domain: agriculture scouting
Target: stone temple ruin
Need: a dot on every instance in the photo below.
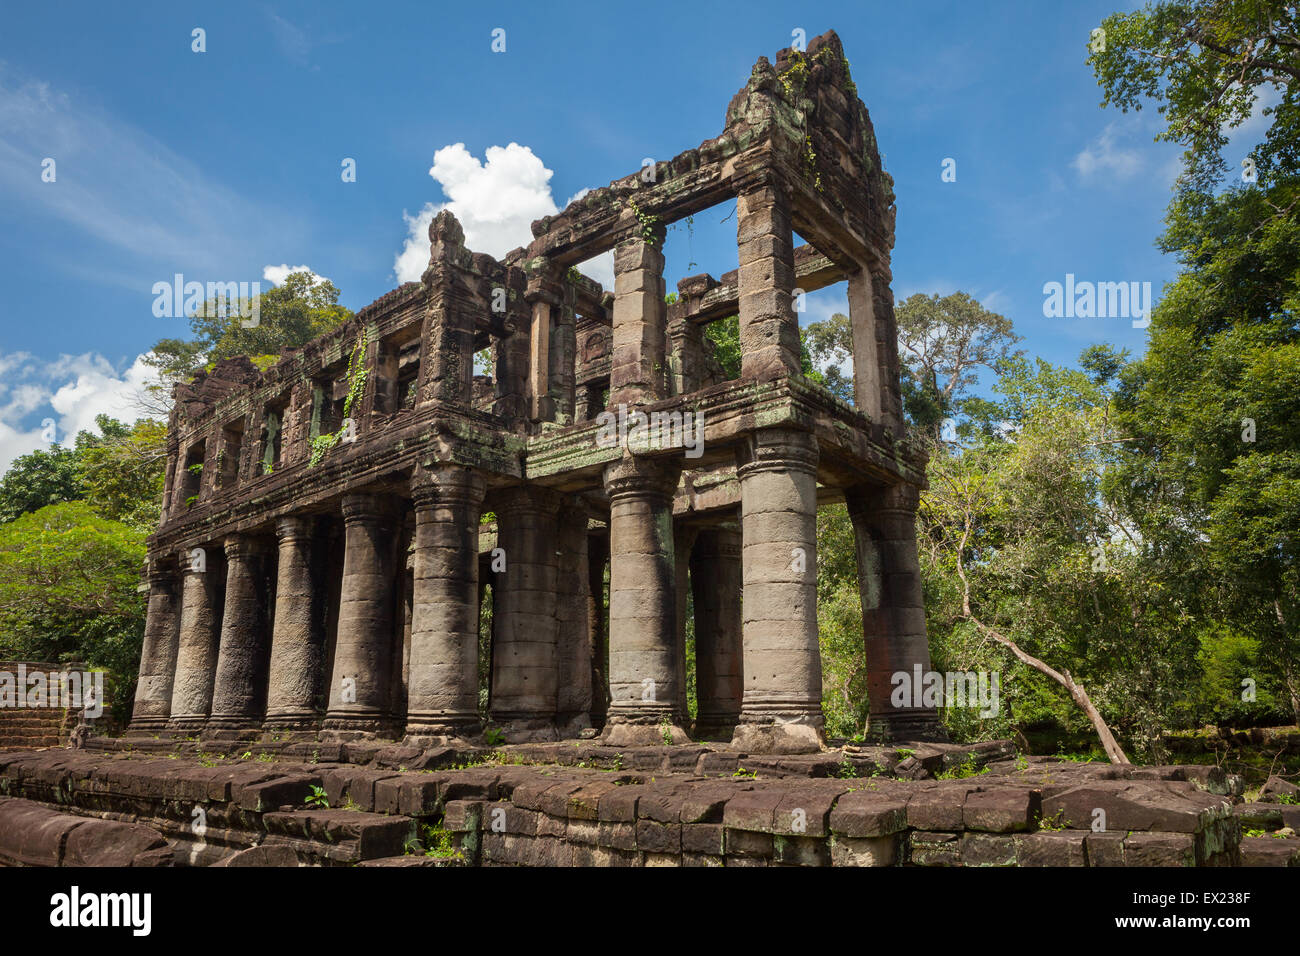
(331, 524)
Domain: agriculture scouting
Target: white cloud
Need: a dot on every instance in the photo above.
(70, 391)
(292, 40)
(601, 268)
(1105, 157)
(495, 202)
(277, 274)
(114, 182)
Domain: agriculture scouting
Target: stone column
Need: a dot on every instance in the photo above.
(541, 406)
(686, 356)
(866, 366)
(296, 637)
(769, 328)
(239, 691)
(887, 363)
(781, 712)
(196, 653)
(442, 682)
(598, 640)
(524, 626)
(642, 605)
(719, 672)
(153, 692)
(563, 352)
(638, 371)
(893, 610)
(360, 686)
(573, 648)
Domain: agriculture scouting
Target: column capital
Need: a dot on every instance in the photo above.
(714, 543)
(634, 252)
(633, 476)
(243, 546)
(161, 569)
(365, 506)
(778, 449)
(759, 179)
(526, 498)
(876, 499)
(447, 484)
(294, 527)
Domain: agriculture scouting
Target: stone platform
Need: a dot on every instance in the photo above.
(579, 804)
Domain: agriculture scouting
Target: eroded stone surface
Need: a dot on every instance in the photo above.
(269, 813)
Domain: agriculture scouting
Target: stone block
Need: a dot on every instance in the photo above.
(863, 851)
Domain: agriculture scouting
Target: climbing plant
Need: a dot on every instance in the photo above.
(321, 444)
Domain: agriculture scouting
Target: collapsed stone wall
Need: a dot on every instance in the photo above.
(650, 807)
(27, 727)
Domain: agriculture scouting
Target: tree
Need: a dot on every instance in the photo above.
(944, 343)
(38, 479)
(1205, 62)
(828, 347)
(289, 316)
(1033, 556)
(68, 580)
(123, 472)
(1213, 409)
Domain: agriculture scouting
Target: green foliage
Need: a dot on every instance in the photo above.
(356, 375)
(68, 580)
(317, 798)
(122, 472)
(724, 337)
(1213, 408)
(1204, 62)
(437, 843)
(827, 351)
(290, 315)
(38, 479)
(967, 767)
(649, 224)
(945, 343)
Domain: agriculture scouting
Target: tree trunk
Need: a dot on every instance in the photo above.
(1077, 693)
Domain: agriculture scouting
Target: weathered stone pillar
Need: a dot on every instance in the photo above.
(563, 353)
(769, 328)
(573, 648)
(638, 371)
(196, 653)
(781, 712)
(153, 692)
(893, 610)
(541, 405)
(888, 371)
(642, 605)
(359, 690)
(683, 540)
(598, 639)
(524, 626)
(866, 366)
(719, 671)
(296, 637)
(442, 695)
(239, 691)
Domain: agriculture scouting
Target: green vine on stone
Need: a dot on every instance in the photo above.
(646, 220)
(321, 444)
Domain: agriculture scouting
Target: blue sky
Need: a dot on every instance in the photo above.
(220, 164)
